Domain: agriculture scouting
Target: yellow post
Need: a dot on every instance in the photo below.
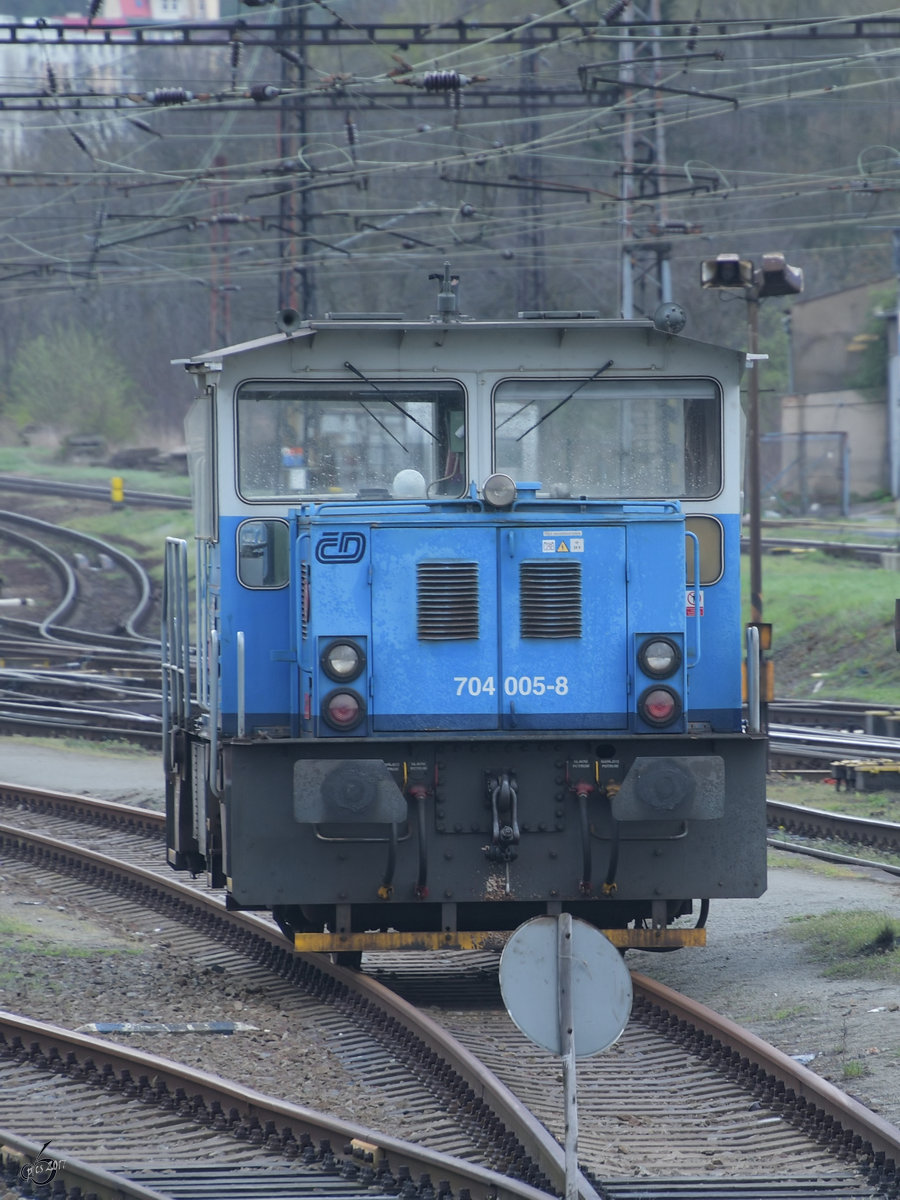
(117, 491)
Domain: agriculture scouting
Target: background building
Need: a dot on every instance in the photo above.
(835, 439)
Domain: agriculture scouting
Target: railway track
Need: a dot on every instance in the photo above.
(106, 589)
(847, 715)
(113, 712)
(713, 1102)
(25, 485)
(160, 1129)
(794, 820)
(60, 678)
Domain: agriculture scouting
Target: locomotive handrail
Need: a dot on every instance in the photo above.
(754, 709)
(241, 685)
(175, 644)
(212, 777)
(353, 507)
(696, 618)
(561, 503)
(203, 619)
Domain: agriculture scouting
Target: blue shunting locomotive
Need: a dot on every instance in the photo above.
(467, 631)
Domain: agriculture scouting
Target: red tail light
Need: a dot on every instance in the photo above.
(659, 706)
(343, 709)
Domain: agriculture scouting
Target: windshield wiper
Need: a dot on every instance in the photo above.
(556, 407)
(390, 400)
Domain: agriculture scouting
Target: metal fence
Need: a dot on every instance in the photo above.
(805, 473)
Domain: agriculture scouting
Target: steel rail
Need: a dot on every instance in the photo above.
(73, 1173)
(89, 491)
(85, 808)
(126, 563)
(818, 822)
(785, 1076)
(60, 568)
(21, 724)
(832, 856)
(84, 640)
(79, 687)
(83, 713)
(828, 714)
(38, 654)
(830, 744)
(57, 1045)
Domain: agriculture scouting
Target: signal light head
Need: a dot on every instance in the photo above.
(726, 271)
(778, 277)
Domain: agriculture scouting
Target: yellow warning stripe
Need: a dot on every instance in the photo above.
(335, 943)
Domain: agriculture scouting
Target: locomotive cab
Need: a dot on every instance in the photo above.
(467, 643)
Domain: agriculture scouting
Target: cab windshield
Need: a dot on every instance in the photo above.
(375, 440)
(610, 439)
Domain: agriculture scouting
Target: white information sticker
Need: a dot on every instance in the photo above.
(562, 541)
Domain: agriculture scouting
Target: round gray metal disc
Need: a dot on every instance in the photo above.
(601, 986)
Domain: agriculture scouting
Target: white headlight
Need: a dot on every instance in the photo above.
(342, 661)
(499, 491)
(659, 657)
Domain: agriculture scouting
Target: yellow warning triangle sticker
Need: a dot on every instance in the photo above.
(563, 548)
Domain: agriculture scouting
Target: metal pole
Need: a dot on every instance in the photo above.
(894, 383)
(845, 475)
(567, 1050)
(788, 325)
(531, 282)
(626, 180)
(294, 211)
(753, 465)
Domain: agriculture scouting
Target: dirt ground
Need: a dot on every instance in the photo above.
(847, 1030)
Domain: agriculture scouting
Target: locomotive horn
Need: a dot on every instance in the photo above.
(287, 319)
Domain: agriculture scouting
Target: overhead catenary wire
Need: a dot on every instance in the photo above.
(559, 144)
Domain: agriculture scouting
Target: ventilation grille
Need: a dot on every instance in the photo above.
(447, 601)
(550, 595)
(304, 599)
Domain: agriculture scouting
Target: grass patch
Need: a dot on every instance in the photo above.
(851, 945)
(136, 525)
(11, 928)
(140, 532)
(44, 461)
(38, 941)
(107, 749)
(784, 859)
(833, 635)
(788, 1014)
